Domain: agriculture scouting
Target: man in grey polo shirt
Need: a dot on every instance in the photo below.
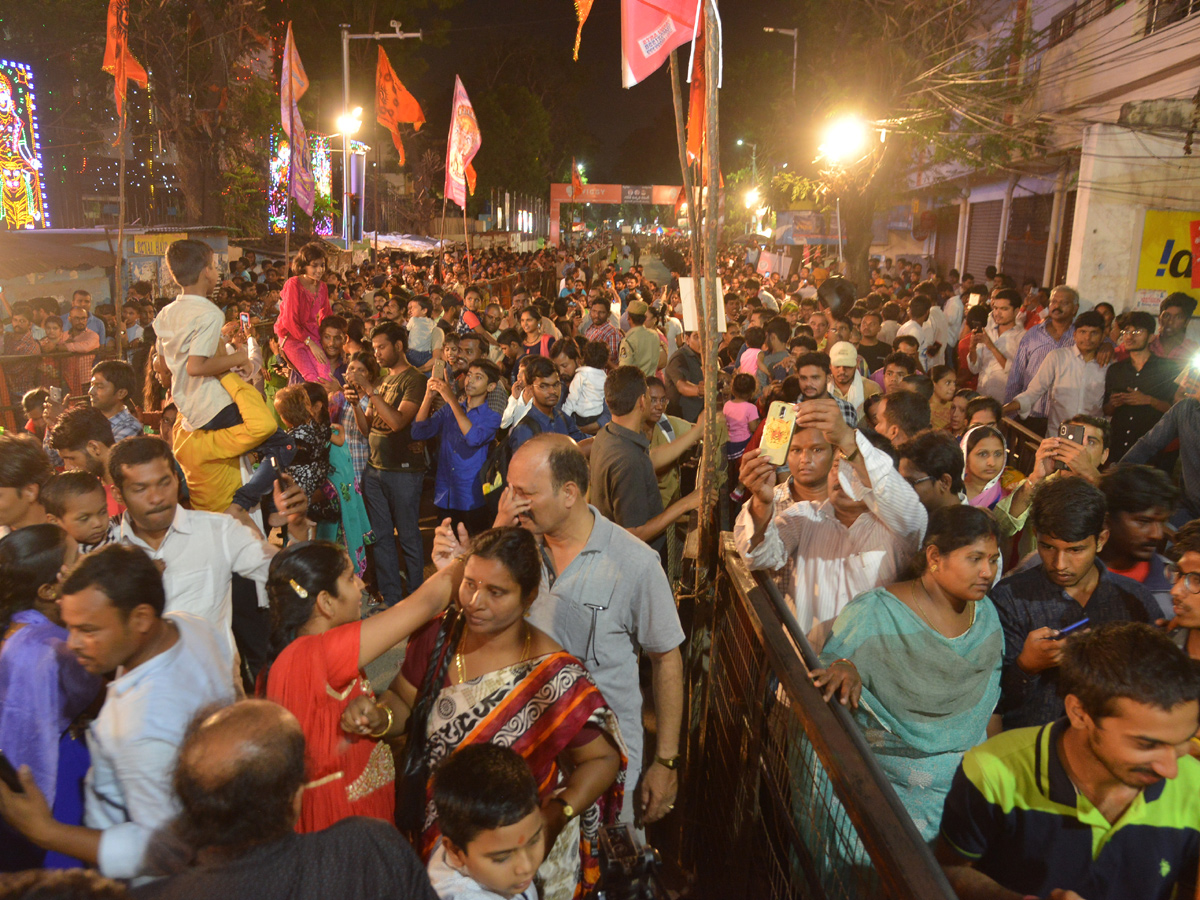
(624, 486)
(604, 597)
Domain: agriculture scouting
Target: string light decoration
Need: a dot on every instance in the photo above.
(22, 193)
(322, 166)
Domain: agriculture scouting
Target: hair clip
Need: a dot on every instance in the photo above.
(301, 592)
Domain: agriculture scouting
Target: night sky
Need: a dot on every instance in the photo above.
(611, 113)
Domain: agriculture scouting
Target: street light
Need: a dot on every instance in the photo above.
(347, 37)
(845, 140)
(753, 158)
(794, 34)
(349, 123)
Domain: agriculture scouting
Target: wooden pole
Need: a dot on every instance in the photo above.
(287, 206)
(709, 338)
(442, 245)
(467, 241)
(684, 168)
(122, 125)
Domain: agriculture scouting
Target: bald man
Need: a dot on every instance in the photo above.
(604, 596)
(239, 780)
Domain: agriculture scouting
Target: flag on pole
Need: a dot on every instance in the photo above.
(650, 30)
(576, 181)
(118, 60)
(697, 99)
(461, 146)
(292, 85)
(393, 103)
(582, 8)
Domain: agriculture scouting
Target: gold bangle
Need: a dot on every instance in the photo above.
(844, 660)
(386, 728)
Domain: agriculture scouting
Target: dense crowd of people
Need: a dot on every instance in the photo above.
(201, 561)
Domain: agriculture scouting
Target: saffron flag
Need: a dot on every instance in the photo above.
(461, 146)
(576, 181)
(292, 85)
(118, 60)
(697, 101)
(582, 8)
(650, 30)
(393, 103)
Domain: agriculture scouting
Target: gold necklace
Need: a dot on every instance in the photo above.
(461, 666)
(925, 591)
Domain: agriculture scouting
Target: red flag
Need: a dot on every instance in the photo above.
(461, 146)
(118, 61)
(697, 102)
(582, 8)
(650, 30)
(393, 103)
(576, 181)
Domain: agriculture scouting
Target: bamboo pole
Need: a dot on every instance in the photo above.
(122, 125)
(709, 339)
(467, 241)
(684, 168)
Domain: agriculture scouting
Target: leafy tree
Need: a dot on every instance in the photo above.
(940, 80)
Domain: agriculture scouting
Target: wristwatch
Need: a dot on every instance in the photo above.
(851, 457)
(672, 763)
(568, 809)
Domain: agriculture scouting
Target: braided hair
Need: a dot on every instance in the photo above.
(297, 575)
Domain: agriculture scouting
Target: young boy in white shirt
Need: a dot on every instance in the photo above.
(585, 398)
(492, 828)
(190, 342)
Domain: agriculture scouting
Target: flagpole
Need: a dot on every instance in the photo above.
(442, 245)
(467, 240)
(121, 126)
(287, 220)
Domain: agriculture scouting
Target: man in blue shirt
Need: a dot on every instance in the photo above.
(1069, 583)
(466, 436)
(546, 386)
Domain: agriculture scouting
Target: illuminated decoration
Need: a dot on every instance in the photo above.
(322, 166)
(22, 194)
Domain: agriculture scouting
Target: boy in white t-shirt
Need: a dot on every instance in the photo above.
(190, 342)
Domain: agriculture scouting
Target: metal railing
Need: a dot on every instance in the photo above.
(785, 798)
(69, 372)
(1022, 445)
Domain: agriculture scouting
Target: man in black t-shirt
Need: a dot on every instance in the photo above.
(238, 780)
(870, 348)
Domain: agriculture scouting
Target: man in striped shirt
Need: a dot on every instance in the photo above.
(1056, 332)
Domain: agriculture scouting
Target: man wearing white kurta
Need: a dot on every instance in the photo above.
(860, 538)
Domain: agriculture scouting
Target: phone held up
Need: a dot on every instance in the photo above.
(777, 432)
(1073, 433)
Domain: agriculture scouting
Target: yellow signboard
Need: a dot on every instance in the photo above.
(1169, 241)
(154, 244)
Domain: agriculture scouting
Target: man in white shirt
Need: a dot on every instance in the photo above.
(200, 551)
(1070, 377)
(920, 327)
(167, 668)
(993, 348)
(859, 538)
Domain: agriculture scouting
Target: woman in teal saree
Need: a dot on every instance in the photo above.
(918, 662)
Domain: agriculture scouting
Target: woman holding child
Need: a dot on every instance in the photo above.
(482, 674)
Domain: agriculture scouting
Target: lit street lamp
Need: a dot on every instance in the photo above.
(845, 143)
(347, 37)
(753, 158)
(794, 34)
(349, 123)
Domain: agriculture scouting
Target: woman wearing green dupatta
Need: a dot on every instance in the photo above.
(919, 662)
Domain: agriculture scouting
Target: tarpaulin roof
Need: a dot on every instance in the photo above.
(28, 253)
